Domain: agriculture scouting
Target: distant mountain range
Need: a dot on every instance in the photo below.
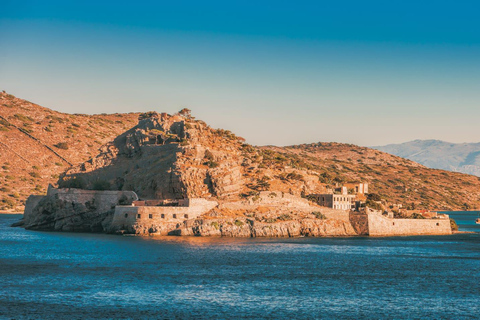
(458, 157)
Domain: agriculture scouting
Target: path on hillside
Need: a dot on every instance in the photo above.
(13, 151)
(36, 139)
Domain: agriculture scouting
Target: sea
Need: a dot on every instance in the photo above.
(54, 275)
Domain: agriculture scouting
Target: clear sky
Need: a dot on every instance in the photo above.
(274, 72)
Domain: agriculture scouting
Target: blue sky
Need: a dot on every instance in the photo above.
(274, 72)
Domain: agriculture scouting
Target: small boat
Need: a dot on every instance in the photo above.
(477, 221)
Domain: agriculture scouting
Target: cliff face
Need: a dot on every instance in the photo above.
(165, 157)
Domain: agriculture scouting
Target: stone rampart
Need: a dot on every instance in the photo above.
(151, 219)
(74, 209)
(379, 225)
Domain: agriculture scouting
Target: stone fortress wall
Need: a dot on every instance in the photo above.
(78, 210)
(72, 209)
(153, 217)
(379, 225)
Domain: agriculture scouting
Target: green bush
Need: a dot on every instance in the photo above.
(374, 197)
(147, 115)
(453, 225)
(319, 215)
(61, 145)
(416, 216)
(73, 182)
(209, 155)
(238, 223)
(211, 164)
(34, 174)
(8, 203)
(23, 118)
(284, 217)
(374, 205)
(294, 176)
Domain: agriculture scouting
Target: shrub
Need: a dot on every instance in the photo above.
(319, 215)
(61, 145)
(284, 217)
(23, 118)
(238, 223)
(147, 115)
(209, 155)
(250, 194)
(325, 177)
(211, 164)
(294, 176)
(34, 174)
(374, 205)
(416, 216)
(374, 197)
(187, 113)
(72, 182)
(453, 225)
(215, 225)
(8, 203)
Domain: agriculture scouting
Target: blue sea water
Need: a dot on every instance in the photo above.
(46, 275)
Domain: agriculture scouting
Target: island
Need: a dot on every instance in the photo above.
(175, 175)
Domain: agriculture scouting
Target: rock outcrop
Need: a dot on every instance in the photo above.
(251, 228)
(166, 157)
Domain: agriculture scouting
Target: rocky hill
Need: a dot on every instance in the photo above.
(176, 156)
(458, 157)
(167, 157)
(37, 144)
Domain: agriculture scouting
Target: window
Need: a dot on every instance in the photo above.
(163, 216)
(174, 216)
(186, 216)
(438, 224)
(126, 215)
(139, 215)
(393, 223)
(150, 216)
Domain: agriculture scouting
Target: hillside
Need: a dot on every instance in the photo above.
(458, 157)
(173, 157)
(37, 144)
